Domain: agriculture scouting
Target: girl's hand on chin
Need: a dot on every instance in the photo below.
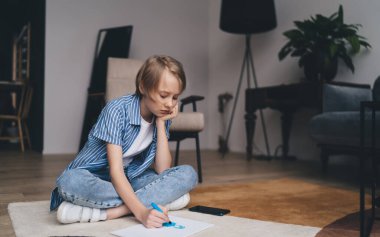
(170, 115)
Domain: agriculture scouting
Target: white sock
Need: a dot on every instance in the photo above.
(103, 214)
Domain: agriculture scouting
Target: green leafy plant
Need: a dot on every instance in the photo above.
(320, 41)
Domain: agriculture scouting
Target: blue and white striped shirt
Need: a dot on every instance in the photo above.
(119, 124)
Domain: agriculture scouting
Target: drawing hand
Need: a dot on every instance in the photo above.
(154, 219)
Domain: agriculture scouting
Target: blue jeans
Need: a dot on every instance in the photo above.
(81, 187)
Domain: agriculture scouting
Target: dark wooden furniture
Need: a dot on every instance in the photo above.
(9, 91)
(285, 98)
(10, 85)
(23, 94)
(16, 94)
(368, 149)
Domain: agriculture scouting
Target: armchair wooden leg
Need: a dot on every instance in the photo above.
(176, 154)
(27, 134)
(324, 159)
(20, 135)
(198, 159)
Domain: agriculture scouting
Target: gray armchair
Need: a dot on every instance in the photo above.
(337, 129)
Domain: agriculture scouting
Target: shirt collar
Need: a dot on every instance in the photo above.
(134, 112)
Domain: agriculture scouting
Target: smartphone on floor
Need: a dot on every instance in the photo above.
(210, 210)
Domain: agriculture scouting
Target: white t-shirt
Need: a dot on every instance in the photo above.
(142, 141)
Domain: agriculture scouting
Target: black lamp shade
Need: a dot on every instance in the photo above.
(247, 16)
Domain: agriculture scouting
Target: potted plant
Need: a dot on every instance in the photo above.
(320, 41)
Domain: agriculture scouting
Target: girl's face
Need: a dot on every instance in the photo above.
(163, 100)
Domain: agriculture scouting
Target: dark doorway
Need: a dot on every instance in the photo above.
(13, 15)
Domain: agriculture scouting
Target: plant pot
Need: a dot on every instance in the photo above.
(320, 67)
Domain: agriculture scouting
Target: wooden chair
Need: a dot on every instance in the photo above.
(121, 74)
(21, 55)
(19, 118)
(19, 89)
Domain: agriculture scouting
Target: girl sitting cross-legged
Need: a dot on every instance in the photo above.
(112, 176)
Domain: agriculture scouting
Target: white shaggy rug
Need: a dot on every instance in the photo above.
(33, 219)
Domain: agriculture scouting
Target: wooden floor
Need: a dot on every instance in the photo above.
(31, 176)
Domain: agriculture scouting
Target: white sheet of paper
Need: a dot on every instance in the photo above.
(191, 227)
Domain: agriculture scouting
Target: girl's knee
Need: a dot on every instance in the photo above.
(188, 173)
(69, 180)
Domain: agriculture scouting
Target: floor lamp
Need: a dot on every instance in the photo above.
(247, 17)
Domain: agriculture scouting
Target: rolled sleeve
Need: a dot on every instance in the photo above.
(109, 125)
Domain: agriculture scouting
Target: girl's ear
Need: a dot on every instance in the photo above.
(141, 89)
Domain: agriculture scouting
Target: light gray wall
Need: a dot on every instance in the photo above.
(226, 54)
(188, 30)
(173, 27)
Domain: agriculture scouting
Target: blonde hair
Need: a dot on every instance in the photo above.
(151, 71)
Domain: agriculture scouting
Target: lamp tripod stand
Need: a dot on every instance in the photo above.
(247, 67)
